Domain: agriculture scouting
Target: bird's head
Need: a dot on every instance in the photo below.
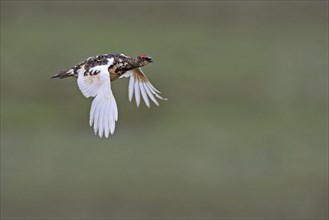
(144, 59)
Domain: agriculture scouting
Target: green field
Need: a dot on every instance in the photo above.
(244, 134)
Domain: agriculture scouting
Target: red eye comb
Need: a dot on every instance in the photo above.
(143, 55)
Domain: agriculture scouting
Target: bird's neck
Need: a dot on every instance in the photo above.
(135, 62)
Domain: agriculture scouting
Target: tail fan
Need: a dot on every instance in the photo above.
(64, 74)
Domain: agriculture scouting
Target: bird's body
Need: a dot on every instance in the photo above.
(94, 76)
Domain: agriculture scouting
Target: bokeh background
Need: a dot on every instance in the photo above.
(244, 133)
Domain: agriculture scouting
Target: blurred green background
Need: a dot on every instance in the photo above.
(244, 133)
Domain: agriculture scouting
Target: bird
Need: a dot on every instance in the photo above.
(94, 77)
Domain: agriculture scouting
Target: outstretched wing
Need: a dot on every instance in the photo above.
(95, 82)
(141, 86)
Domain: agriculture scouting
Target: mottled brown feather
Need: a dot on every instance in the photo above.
(139, 75)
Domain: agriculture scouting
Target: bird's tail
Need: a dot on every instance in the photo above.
(104, 112)
(64, 74)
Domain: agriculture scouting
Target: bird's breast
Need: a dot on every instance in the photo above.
(114, 75)
(119, 69)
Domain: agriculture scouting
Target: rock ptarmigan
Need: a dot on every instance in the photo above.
(94, 76)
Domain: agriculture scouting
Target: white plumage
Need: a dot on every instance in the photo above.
(94, 77)
(104, 110)
(140, 85)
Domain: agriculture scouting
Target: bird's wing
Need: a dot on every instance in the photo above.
(104, 112)
(141, 86)
(90, 81)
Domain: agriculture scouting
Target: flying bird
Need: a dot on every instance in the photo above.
(94, 76)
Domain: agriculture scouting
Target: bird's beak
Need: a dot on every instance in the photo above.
(151, 60)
